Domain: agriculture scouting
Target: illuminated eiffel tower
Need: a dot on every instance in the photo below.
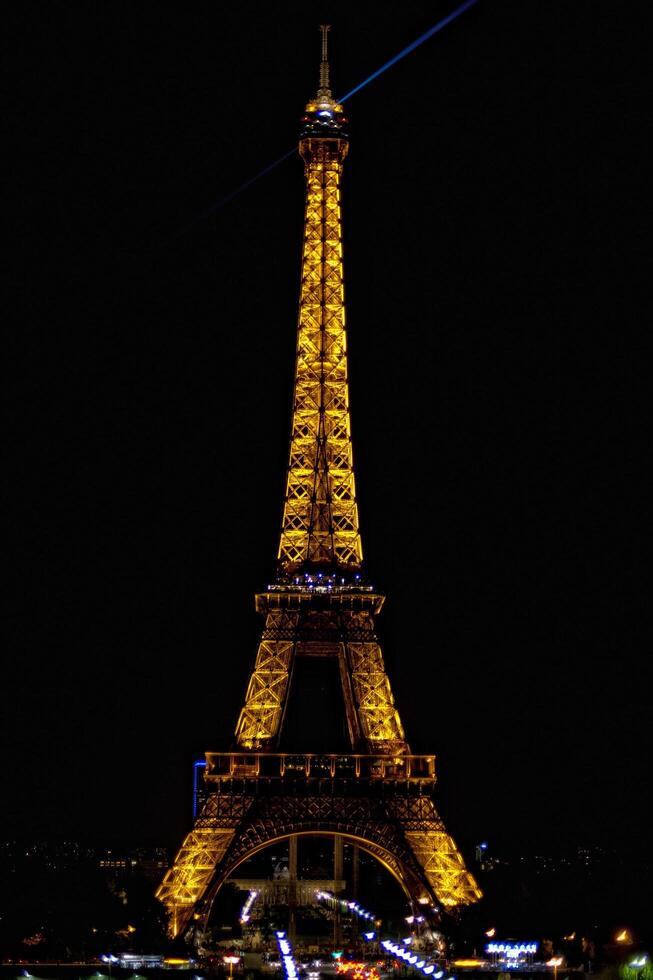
(375, 793)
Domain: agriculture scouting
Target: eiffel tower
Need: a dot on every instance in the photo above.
(375, 793)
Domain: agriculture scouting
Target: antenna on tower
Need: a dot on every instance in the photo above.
(324, 89)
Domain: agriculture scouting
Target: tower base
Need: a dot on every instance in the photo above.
(381, 804)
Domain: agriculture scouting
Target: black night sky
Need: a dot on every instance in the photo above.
(492, 247)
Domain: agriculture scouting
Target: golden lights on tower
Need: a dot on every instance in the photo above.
(320, 606)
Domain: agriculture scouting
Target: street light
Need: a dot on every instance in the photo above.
(638, 964)
(109, 960)
(555, 962)
(231, 960)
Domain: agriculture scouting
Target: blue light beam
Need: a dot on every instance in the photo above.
(219, 204)
(411, 47)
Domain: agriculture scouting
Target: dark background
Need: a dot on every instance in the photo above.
(491, 254)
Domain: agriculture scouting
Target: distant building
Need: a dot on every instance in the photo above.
(113, 861)
(150, 862)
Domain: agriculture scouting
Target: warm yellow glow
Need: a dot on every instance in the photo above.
(623, 937)
(490, 933)
(198, 858)
(320, 520)
(379, 719)
(468, 962)
(259, 720)
(441, 861)
(188, 878)
(376, 717)
(320, 528)
(357, 970)
(572, 935)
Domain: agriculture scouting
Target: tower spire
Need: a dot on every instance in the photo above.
(324, 89)
(320, 519)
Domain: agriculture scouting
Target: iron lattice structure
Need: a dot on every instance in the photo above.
(378, 795)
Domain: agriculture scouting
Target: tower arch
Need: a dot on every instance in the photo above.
(405, 877)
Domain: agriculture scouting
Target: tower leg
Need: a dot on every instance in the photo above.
(403, 831)
(201, 852)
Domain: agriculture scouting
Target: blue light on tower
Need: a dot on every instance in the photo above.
(198, 784)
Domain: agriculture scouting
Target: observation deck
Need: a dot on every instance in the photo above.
(320, 770)
(320, 589)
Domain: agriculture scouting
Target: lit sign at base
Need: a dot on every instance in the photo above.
(512, 949)
(511, 955)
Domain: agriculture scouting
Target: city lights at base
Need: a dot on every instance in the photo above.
(428, 968)
(249, 901)
(511, 955)
(348, 906)
(287, 959)
(357, 970)
(516, 949)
